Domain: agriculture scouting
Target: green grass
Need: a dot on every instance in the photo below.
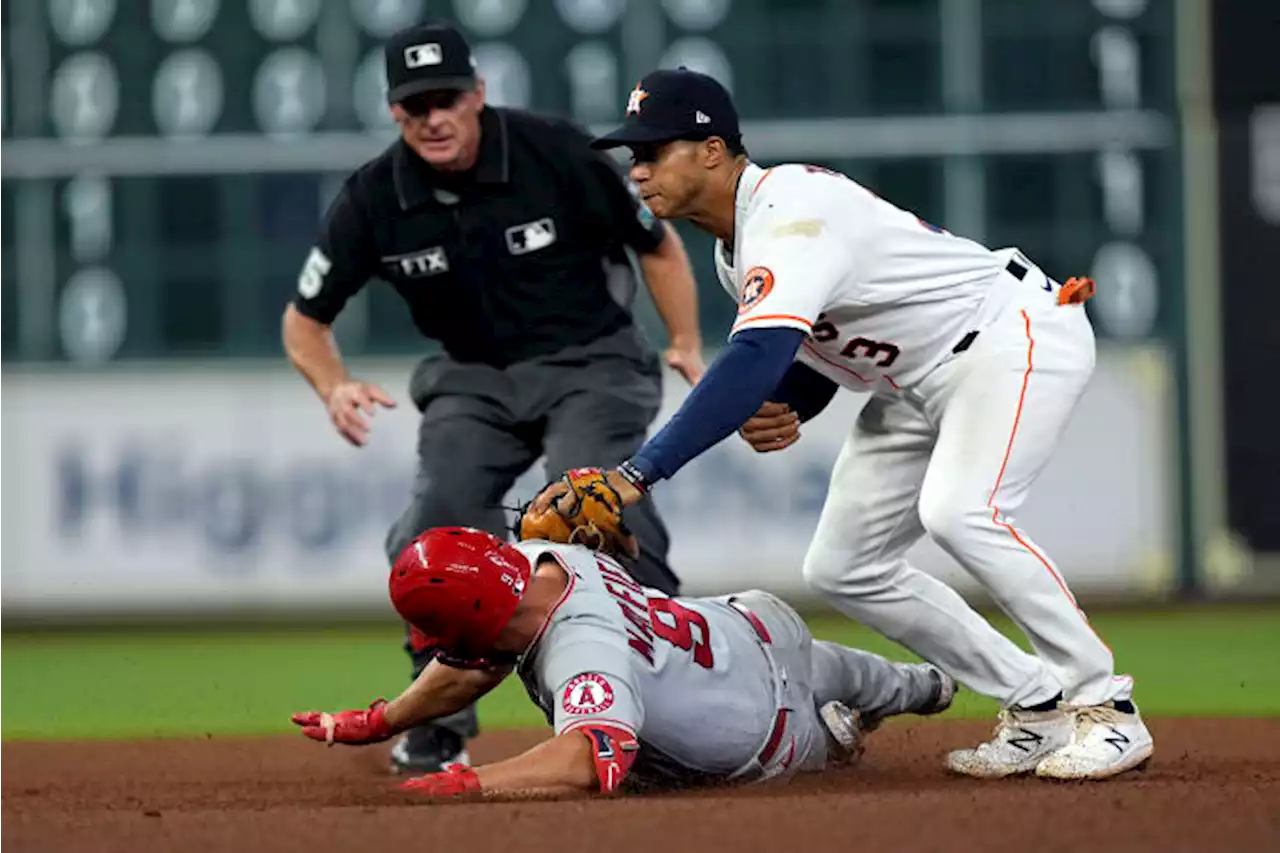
(1219, 661)
(1193, 662)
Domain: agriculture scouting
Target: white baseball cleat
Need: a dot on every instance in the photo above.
(1022, 739)
(1104, 742)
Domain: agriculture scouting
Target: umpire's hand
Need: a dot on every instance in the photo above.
(349, 402)
(686, 360)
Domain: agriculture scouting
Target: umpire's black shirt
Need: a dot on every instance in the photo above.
(501, 264)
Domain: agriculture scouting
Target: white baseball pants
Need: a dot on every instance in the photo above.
(955, 456)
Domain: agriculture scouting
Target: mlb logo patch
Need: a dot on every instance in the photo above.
(420, 55)
(531, 236)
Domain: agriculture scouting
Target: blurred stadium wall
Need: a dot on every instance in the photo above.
(165, 164)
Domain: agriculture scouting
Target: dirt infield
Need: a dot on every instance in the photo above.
(1213, 785)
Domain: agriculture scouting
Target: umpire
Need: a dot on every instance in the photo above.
(506, 235)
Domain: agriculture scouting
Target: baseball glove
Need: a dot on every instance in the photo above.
(589, 514)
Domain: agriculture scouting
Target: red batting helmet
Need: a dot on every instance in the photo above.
(459, 586)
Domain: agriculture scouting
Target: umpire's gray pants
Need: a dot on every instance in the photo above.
(482, 427)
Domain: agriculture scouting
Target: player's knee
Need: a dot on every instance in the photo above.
(837, 574)
(822, 572)
(948, 519)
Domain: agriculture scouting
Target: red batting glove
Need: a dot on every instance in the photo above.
(355, 727)
(457, 780)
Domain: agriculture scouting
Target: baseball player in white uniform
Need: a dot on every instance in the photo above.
(642, 690)
(975, 358)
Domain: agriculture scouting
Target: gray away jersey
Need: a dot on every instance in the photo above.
(687, 676)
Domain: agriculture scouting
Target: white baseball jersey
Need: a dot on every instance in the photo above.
(882, 295)
(689, 677)
(886, 300)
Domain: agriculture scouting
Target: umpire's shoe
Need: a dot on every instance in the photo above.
(428, 749)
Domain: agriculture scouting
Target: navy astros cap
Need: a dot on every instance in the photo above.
(668, 105)
(427, 57)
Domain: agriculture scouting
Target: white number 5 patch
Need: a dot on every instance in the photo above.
(314, 269)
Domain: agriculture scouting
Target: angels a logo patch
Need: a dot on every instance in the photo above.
(588, 693)
(755, 286)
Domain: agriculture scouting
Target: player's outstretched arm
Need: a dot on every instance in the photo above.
(439, 691)
(593, 757)
(560, 765)
(732, 390)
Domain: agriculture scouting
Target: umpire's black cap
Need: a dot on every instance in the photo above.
(668, 105)
(427, 57)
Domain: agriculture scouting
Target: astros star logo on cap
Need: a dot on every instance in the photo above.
(633, 102)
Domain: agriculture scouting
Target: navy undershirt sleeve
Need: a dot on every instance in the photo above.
(739, 381)
(805, 390)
